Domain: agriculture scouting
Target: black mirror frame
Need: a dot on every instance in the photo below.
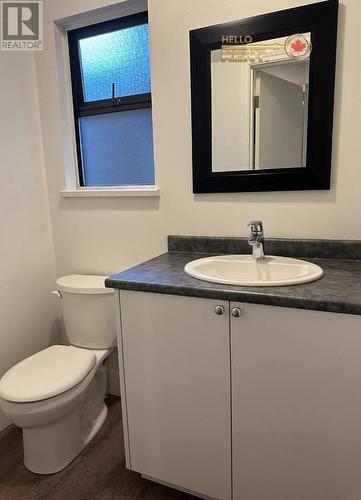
(321, 20)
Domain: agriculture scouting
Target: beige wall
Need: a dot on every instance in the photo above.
(27, 266)
(106, 235)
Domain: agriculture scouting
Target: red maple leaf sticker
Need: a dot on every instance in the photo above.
(298, 45)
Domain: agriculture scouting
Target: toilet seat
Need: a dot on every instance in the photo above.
(46, 374)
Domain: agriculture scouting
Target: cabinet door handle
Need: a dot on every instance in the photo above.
(236, 312)
(219, 310)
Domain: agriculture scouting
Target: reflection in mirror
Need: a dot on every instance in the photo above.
(259, 108)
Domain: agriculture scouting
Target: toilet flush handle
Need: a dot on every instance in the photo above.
(57, 294)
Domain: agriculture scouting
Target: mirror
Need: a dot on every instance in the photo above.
(262, 101)
(254, 102)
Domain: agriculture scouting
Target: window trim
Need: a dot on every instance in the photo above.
(82, 108)
(112, 192)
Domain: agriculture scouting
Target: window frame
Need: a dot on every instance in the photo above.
(111, 105)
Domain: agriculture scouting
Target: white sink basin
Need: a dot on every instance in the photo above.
(243, 270)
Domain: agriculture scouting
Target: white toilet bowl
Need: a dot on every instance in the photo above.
(56, 429)
(57, 395)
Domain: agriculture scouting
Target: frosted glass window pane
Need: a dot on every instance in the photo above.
(117, 148)
(120, 57)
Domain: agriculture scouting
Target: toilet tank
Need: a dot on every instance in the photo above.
(88, 310)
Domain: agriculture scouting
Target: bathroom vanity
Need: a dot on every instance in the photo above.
(247, 393)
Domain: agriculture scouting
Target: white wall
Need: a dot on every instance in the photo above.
(231, 114)
(27, 268)
(106, 235)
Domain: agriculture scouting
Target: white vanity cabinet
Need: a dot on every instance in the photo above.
(296, 404)
(261, 404)
(176, 396)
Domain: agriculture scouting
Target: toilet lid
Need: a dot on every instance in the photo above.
(84, 284)
(46, 374)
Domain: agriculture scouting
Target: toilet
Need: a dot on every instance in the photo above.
(57, 395)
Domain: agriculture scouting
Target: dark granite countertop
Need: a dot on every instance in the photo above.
(339, 290)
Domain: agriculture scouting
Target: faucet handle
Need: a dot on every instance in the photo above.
(256, 226)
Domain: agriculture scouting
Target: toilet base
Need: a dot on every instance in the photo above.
(50, 448)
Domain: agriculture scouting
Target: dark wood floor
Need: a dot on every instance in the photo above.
(97, 473)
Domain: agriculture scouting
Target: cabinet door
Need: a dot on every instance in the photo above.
(296, 389)
(176, 353)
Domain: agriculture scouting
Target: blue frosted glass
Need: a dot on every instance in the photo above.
(120, 57)
(117, 148)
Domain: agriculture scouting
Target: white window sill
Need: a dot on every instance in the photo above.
(111, 192)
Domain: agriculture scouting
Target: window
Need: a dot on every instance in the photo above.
(110, 74)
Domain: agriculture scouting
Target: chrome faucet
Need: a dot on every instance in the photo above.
(256, 239)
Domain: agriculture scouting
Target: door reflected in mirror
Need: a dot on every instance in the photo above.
(259, 107)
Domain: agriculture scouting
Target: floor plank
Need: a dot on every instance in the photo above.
(98, 473)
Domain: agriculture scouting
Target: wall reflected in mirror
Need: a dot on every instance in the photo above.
(259, 108)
